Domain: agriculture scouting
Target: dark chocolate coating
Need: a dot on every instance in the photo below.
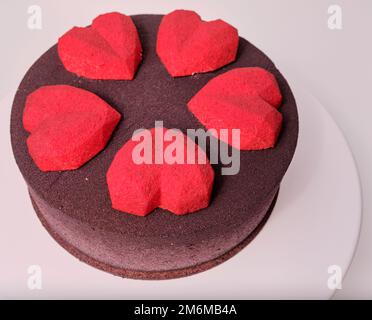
(77, 206)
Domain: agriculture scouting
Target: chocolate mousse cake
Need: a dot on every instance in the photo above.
(80, 107)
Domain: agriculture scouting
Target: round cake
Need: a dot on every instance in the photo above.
(75, 206)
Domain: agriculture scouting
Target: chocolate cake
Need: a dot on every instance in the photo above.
(75, 205)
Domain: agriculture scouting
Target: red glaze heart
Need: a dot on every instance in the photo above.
(245, 99)
(68, 126)
(187, 45)
(139, 188)
(109, 49)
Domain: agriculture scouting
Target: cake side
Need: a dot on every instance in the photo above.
(129, 256)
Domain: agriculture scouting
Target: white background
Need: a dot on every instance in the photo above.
(334, 65)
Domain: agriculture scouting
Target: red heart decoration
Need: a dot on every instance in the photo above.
(68, 126)
(245, 99)
(110, 49)
(187, 45)
(139, 188)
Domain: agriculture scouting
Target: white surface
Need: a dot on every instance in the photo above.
(334, 65)
(314, 225)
